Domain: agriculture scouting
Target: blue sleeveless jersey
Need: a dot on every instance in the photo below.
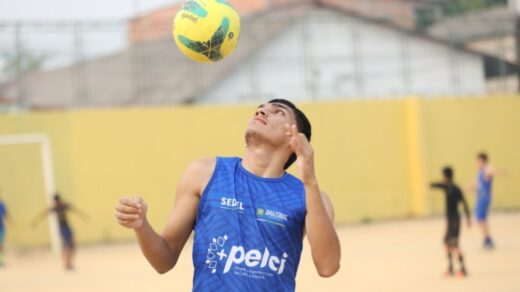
(484, 186)
(248, 231)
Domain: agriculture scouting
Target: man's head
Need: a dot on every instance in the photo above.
(447, 172)
(57, 197)
(270, 120)
(482, 159)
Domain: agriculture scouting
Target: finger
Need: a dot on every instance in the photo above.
(302, 137)
(288, 130)
(124, 223)
(121, 221)
(130, 202)
(139, 201)
(294, 142)
(124, 216)
(294, 130)
(127, 209)
(295, 145)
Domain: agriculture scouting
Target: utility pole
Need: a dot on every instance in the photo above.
(517, 42)
(515, 6)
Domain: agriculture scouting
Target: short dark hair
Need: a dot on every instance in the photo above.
(302, 123)
(448, 172)
(57, 197)
(482, 156)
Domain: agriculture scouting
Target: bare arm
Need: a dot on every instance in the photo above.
(491, 172)
(162, 250)
(42, 215)
(79, 212)
(324, 242)
(319, 226)
(6, 214)
(466, 208)
(471, 187)
(437, 186)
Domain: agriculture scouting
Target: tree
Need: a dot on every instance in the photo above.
(18, 64)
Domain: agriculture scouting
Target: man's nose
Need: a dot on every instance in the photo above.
(262, 112)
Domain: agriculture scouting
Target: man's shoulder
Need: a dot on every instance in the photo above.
(211, 162)
(456, 188)
(201, 167)
(203, 163)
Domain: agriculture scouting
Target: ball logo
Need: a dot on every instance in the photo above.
(194, 8)
(238, 255)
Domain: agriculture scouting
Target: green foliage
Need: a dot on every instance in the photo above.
(455, 7)
(21, 63)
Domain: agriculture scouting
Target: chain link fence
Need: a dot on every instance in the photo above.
(330, 55)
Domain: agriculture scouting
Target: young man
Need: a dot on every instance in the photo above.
(483, 187)
(67, 236)
(3, 217)
(249, 216)
(454, 196)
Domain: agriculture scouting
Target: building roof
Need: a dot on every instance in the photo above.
(486, 24)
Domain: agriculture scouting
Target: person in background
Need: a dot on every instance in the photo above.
(453, 196)
(61, 208)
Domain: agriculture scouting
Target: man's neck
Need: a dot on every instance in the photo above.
(264, 162)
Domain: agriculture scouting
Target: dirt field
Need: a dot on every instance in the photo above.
(389, 256)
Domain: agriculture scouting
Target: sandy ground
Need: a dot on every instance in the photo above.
(388, 256)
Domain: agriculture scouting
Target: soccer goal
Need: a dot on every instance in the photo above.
(48, 175)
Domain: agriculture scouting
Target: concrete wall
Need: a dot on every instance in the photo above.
(375, 159)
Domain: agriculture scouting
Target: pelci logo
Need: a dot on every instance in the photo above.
(260, 212)
(213, 252)
(239, 256)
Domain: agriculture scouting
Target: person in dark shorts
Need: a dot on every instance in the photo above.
(67, 236)
(454, 196)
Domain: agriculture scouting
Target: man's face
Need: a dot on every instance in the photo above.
(269, 122)
(480, 162)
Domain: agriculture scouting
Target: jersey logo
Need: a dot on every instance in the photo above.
(231, 204)
(253, 263)
(271, 216)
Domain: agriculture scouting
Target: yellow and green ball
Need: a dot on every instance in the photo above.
(206, 30)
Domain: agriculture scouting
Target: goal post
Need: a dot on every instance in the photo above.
(48, 176)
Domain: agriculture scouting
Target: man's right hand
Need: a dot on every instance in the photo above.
(131, 212)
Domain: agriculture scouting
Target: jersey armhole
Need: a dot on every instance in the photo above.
(207, 187)
(304, 198)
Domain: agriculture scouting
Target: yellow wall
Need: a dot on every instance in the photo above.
(457, 129)
(374, 159)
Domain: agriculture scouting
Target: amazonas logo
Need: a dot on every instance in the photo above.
(239, 256)
(271, 216)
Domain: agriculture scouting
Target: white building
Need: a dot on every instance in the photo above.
(327, 54)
